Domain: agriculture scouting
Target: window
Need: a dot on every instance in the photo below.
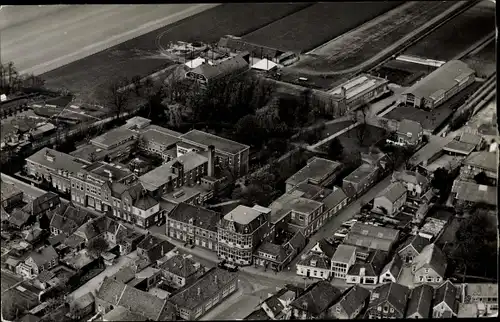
(392, 310)
(421, 278)
(379, 309)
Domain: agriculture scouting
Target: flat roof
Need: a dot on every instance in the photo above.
(317, 169)
(220, 143)
(292, 201)
(103, 169)
(113, 137)
(157, 177)
(181, 194)
(358, 85)
(360, 173)
(159, 137)
(459, 147)
(444, 161)
(162, 130)
(242, 215)
(434, 146)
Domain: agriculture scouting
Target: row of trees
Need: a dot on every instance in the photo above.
(11, 81)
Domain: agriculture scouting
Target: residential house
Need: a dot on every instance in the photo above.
(342, 260)
(114, 295)
(315, 301)
(351, 304)
(240, 232)
(409, 133)
(485, 293)
(388, 301)
(324, 247)
(10, 195)
(367, 271)
(277, 306)
(445, 301)
(153, 248)
(195, 300)
(82, 306)
(193, 225)
(277, 257)
(39, 260)
(315, 265)
(19, 219)
(412, 247)
(429, 266)
(466, 193)
(390, 272)
(415, 183)
(181, 270)
(130, 242)
(419, 306)
(477, 162)
(66, 219)
(390, 200)
(365, 236)
(317, 171)
(43, 204)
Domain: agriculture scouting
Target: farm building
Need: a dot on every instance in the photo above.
(206, 73)
(363, 88)
(440, 85)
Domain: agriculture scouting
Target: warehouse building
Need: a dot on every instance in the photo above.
(440, 85)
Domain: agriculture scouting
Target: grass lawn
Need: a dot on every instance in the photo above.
(351, 143)
(335, 127)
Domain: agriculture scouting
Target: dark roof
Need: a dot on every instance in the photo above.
(297, 242)
(42, 203)
(395, 294)
(274, 250)
(317, 298)
(221, 144)
(29, 318)
(56, 240)
(417, 242)
(145, 202)
(373, 264)
(45, 276)
(222, 69)
(19, 217)
(274, 303)
(393, 192)
(258, 314)
(110, 291)
(447, 293)
(43, 255)
(321, 260)
(334, 198)
(327, 248)
(73, 241)
(354, 298)
(141, 302)
(394, 266)
(433, 257)
(180, 265)
(155, 247)
(420, 301)
(409, 126)
(203, 289)
(316, 170)
(202, 218)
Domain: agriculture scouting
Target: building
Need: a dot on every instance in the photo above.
(372, 237)
(415, 183)
(390, 200)
(41, 259)
(478, 162)
(228, 153)
(485, 293)
(315, 265)
(409, 133)
(360, 180)
(82, 306)
(466, 193)
(388, 301)
(412, 247)
(153, 248)
(440, 85)
(181, 270)
(42, 205)
(205, 74)
(158, 142)
(445, 301)
(118, 137)
(66, 219)
(55, 167)
(419, 306)
(351, 304)
(367, 271)
(10, 195)
(240, 232)
(265, 65)
(130, 242)
(315, 301)
(277, 306)
(359, 90)
(277, 257)
(342, 260)
(195, 300)
(193, 225)
(317, 171)
(390, 272)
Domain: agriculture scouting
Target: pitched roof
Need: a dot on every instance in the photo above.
(393, 192)
(483, 159)
(334, 198)
(317, 298)
(354, 298)
(298, 241)
(409, 126)
(395, 294)
(259, 315)
(373, 264)
(316, 170)
(145, 202)
(180, 265)
(410, 177)
(43, 255)
(417, 242)
(155, 247)
(420, 301)
(274, 303)
(42, 203)
(433, 257)
(56, 160)
(222, 69)
(394, 266)
(120, 313)
(344, 253)
(320, 260)
(274, 250)
(447, 293)
(202, 218)
(327, 248)
(19, 217)
(141, 302)
(473, 192)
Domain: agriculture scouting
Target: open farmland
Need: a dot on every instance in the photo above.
(484, 61)
(458, 34)
(317, 24)
(140, 56)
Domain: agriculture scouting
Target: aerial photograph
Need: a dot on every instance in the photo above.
(249, 161)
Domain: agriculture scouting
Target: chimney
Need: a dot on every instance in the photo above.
(362, 271)
(215, 279)
(211, 157)
(199, 291)
(343, 91)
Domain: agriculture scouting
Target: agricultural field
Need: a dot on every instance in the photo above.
(458, 34)
(484, 61)
(317, 24)
(141, 56)
(351, 142)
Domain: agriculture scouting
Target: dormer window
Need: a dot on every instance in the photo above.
(313, 263)
(190, 221)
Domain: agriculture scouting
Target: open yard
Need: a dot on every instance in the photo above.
(352, 143)
(402, 73)
(458, 34)
(484, 61)
(317, 24)
(140, 56)
(335, 127)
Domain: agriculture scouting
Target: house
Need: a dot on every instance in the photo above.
(82, 306)
(367, 271)
(478, 162)
(314, 265)
(429, 266)
(180, 270)
(277, 306)
(388, 301)
(39, 260)
(440, 85)
(20, 219)
(390, 272)
(315, 301)
(10, 195)
(240, 232)
(419, 306)
(42, 204)
(409, 133)
(153, 248)
(103, 226)
(342, 260)
(129, 243)
(485, 293)
(66, 219)
(121, 313)
(193, 225)
(272, 255)
(317, 171)
(366, 236)
(113, 295)
(324, 247)
(195, 300)
(258, 315)
(360, 180)
(390, 200)
(412, 247)
(351, 304)
(415, 183)
(466, 193)
(445, 301)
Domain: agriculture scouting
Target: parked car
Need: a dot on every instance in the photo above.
(349, 223)
(341, 233)
(227, 266)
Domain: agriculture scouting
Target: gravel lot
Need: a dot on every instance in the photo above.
(458, 34)
(317, 24)
(140, 56)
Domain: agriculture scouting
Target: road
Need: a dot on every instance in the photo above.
(40, 39)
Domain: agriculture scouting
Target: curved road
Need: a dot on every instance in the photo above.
(42, 38)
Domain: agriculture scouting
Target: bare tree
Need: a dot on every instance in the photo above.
(361, 116)
(136, 82)
(118, 95)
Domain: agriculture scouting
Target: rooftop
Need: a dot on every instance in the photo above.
(393, 192)
(421, 301)
(429, 150)
(292, 201)
(396, 294)
(189, 161)
(162, 130)
(201, 217)
(56, 160)
(107, 171)
(361, 173)
(432, 257)
(8, 190)
(180, 265)
(113, 137)
(316, 170)
(358, 85)
(483, 159)
(344, 253)
(179, 195)
(317, 298)
(473, 192)
(459, 147)
(243, 215)
(159, 137)
(221, 144)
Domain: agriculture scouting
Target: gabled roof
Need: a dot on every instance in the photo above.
(297, 242)
(420, 301)
(395, 294)
(43, 255)
(410, 177)
(155, 247)
(317, 298)
(274, 250)
(394, 266)
(483, 159)
(393, 192)
(145, 202)
(327, 248)
(433, 257)
(42, 203)
(409, 126)
(334, 198)
(321, 261)
(274, 303)
(258, 315)
(202, 217)
(222, 69)
(373, 264)
(447, 293)
(354, 298)
(180, 265)
(417, 242)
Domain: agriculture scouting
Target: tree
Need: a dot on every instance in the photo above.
(10, 309)
(440, 179)
(118, 95)
(44, 222)
(248, 130)
(335, 149)
(97, 246)
(482, 178)
(136, 81)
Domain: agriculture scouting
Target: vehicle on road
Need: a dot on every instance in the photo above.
(341, 233)
(227, 266)
(349, 223)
